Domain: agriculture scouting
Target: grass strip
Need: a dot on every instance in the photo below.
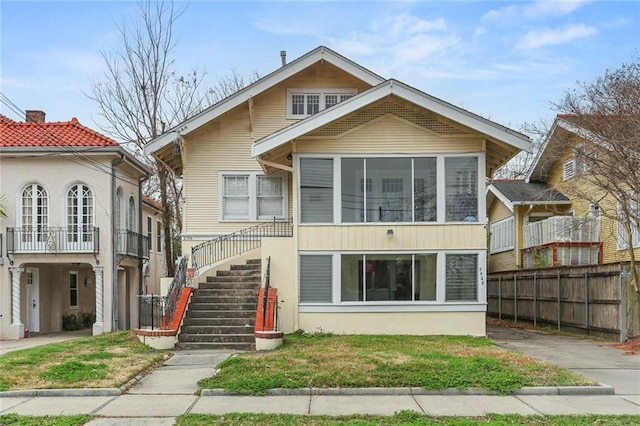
(106, 360)
(403, 418)
(432, 362)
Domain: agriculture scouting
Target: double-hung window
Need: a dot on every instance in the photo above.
(305, 102)
(253, 196)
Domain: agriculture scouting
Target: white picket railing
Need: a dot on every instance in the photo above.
(562, 229)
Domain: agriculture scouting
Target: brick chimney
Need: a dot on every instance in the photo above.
(35, 116)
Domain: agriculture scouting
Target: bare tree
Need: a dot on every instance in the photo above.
(605, 114)
(140, 95)
(518, 166)
(3, 210)
(228, 85)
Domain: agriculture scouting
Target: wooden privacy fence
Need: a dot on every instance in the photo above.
(581, 299)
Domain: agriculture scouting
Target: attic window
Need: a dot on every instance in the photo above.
(577, 163)
(305, 102)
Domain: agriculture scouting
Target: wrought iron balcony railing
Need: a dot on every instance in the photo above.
(130, 243)
(45, 239)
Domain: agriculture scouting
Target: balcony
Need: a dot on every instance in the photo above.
(562, 241)
(130, 243)
(71, 239)
(562, 229)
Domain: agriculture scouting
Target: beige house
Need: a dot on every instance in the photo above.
(383, 186)
(75, 240)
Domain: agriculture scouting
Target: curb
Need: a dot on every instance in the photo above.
(63, 392)
(542, 390)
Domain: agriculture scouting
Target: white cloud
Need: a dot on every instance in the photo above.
(534, 10)
(538, 38)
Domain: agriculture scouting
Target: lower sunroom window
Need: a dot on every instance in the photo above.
(347, 278)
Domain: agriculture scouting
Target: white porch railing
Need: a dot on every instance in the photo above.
(562, 229)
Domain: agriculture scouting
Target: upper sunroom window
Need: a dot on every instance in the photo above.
(305, 102)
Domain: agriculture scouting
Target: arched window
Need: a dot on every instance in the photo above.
(35, 213)
(79, 214)
(132, 214)
(118, 208)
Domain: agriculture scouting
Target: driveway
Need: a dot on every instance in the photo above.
(593, 359)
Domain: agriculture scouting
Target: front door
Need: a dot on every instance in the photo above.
(33, 300)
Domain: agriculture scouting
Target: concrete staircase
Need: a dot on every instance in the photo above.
(222, 311)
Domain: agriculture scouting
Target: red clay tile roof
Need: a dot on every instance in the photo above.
(152, 202)
(60, 133)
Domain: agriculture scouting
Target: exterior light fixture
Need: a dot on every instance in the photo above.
(389, 233)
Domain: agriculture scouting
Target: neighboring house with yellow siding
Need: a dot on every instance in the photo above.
(545, 219)
(382, 184)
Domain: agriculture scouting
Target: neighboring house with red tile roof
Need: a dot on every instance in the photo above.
(75, 239)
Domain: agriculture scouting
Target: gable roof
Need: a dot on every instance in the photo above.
(261, 85)
(382, 90)
(520, 192)
(552, 146)
(52, 134)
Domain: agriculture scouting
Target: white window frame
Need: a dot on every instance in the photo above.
(502, 235)
(574, 166)
(622, 243)
(440, 188)
(34, 234)
(252, 214)
(80, 234)
(321, 92)
(438, 305)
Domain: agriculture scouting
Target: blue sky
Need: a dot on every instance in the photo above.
(505, 60)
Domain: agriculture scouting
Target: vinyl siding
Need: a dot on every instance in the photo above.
(225, 144)
(405, 237)
(505, 260)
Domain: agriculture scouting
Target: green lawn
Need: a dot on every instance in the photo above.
(340, 361)
(402, 418)
(107, 360)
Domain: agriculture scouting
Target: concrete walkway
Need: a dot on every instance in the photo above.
(170, 390)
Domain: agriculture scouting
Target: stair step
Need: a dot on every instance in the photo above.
(222, 306)
(239, 273)
(190, 330)
(245, 337)
(247, 267)
(222, 321)
(230, 285)
(226, 314)
(239, 346)
(254, 261)
(221, 292)
(233, 278)
(197, 299)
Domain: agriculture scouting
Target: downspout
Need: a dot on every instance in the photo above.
(114, 236)
(140, 259)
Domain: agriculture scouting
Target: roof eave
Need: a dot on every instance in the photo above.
(389, 87)
(275, 77)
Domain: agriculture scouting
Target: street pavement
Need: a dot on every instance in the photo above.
(169, 391)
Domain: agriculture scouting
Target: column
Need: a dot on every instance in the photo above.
(15, 295)
(99, 270)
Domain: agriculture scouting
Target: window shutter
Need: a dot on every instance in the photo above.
(568, 170)
(462, 278)
(315, 278)
(316, 190)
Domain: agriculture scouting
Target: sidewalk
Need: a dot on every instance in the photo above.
(169, 391)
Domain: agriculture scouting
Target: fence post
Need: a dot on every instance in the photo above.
(500, 297)
(586, 300)
(535, 299)
(559, 300)
(515, 297)
(624, 274)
